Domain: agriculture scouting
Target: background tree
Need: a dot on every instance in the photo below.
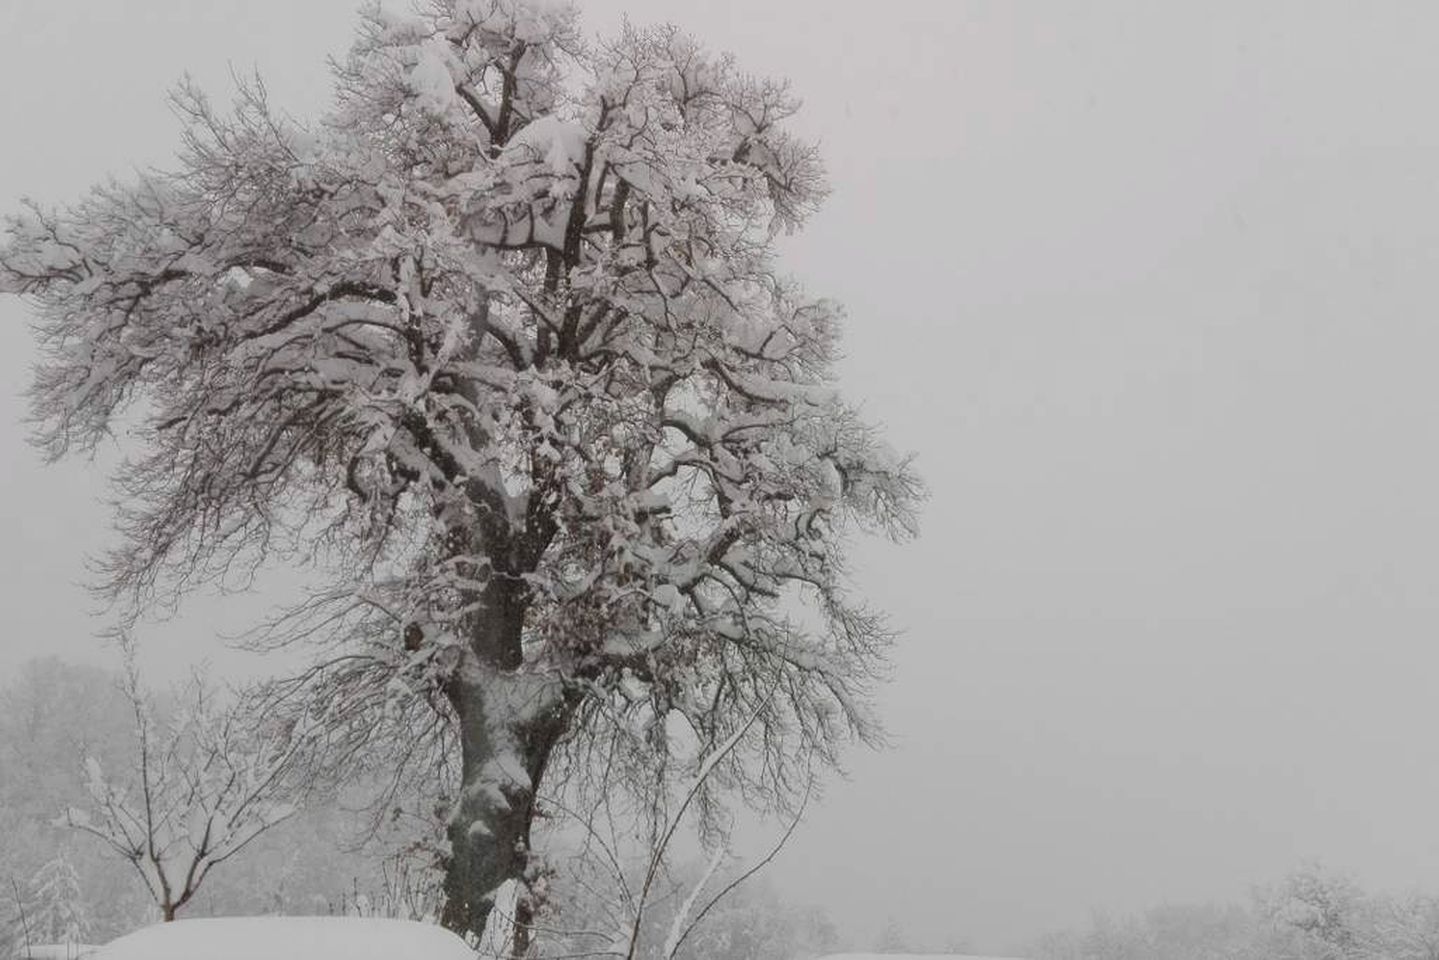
(1407, 928)
(55, 912)
(204, 787)
(501, 340)
(1308, 914)
(891, 938)
(1201, 931)
(1117, 939)
(755, 923)
(1316, 914)
(50, 713)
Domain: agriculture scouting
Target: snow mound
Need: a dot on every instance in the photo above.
(287, 938)
(909, 956)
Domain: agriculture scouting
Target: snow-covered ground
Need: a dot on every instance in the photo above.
(287, 938)
(909, 956)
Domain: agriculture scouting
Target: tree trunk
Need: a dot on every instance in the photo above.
(509, 724)
(488, 830)
(489, 833)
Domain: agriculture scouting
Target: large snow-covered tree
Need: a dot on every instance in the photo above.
(501, 344)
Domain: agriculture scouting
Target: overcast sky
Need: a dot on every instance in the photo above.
(1149, 288)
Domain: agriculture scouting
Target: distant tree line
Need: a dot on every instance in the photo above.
(1312, 914)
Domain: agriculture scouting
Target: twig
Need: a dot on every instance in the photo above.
(729, 887)
(24, 923)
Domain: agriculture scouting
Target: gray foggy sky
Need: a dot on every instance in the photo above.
(1150, 290)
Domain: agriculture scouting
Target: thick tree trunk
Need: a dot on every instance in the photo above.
(509, 724)
(489, 834)
(489, 828)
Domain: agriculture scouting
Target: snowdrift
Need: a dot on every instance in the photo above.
(909, 956)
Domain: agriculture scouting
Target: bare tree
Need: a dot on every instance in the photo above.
(206, 784)
(501, 342)
(20, 939)
(640, 907)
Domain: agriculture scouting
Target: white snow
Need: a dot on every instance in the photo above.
(287, 938)
(559, 144)
(682, 921)
(534, 21)
(499, 933)
(909, 956)
(431, 81)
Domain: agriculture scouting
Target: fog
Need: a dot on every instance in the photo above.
(1147, 289)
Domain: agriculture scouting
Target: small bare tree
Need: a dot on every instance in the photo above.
(634, 904)
(206, 784)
